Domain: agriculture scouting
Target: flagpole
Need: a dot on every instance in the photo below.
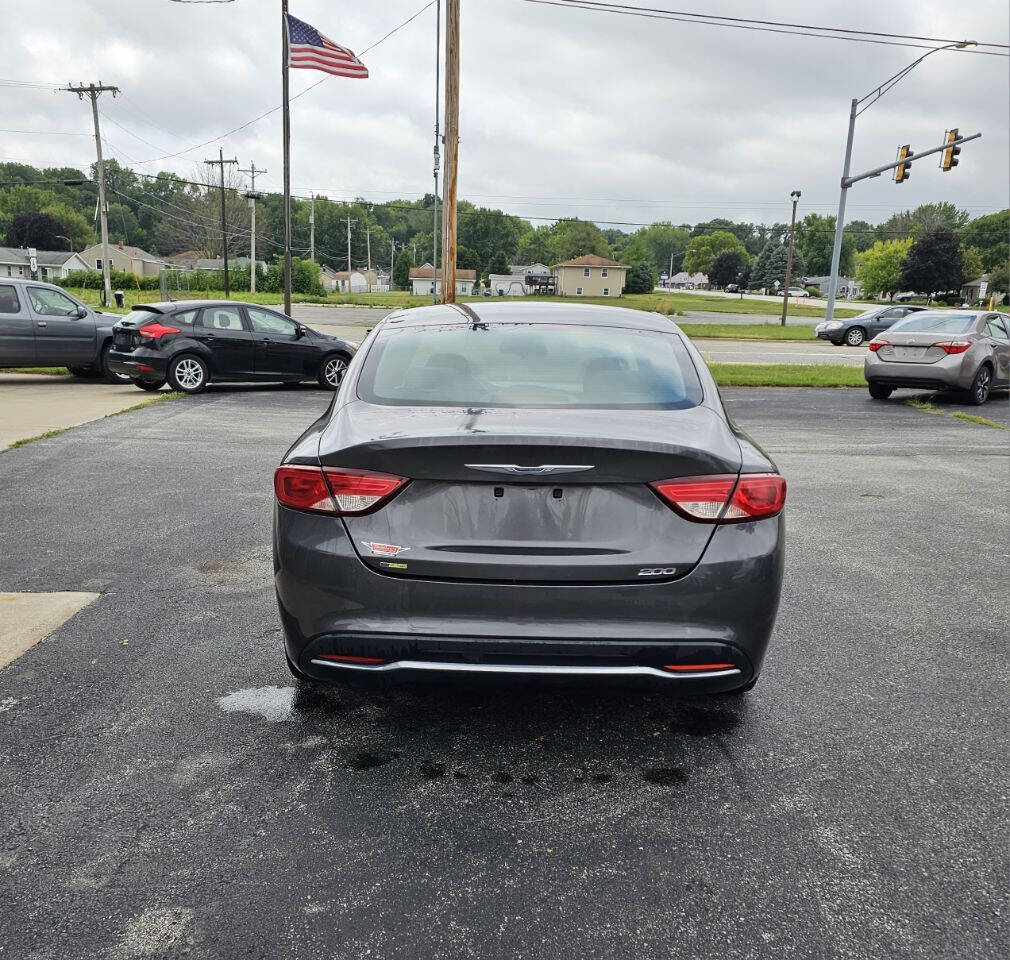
(287, 158)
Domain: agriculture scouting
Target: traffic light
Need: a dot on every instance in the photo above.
(905, 155)
(948, 158)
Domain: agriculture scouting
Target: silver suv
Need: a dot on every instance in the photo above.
(41, 325)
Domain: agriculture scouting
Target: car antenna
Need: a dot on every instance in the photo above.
(475, 322)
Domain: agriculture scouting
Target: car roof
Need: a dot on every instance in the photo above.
(537, 311)
(174, 306)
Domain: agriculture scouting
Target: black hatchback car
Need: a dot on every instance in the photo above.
(191, 344)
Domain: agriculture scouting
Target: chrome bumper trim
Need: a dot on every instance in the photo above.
(527, 668)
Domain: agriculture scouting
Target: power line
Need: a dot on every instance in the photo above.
(764, 26)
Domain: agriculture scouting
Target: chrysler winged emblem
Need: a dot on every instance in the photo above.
(533, 471)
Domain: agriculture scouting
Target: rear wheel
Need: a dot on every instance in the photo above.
(980, 387)
(879, 392)
(110, 375)
(85, 373)
(855, 336)
(149, 385)
(188, 374)
(332, 370)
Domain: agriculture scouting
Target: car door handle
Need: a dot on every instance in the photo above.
(42, 323)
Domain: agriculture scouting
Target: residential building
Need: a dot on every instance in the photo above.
(688, 281)
(234, 263)
(590, 276)
(357, 281)
(126, 259)
(425, 280)
(848, 288)
(977, 289)
(521, 280)
(53, 264)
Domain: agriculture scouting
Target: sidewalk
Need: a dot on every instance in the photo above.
(31, 404)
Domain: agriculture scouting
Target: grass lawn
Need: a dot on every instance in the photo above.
(672, 303)
(745, 331)
(786, 375)
(48, 371)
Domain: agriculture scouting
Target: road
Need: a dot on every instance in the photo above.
(166, 792)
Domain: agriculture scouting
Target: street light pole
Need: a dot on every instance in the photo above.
(789, 257)
(857, 107)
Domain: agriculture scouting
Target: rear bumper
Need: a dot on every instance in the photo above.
(722, 612)
(951, 373)
(131, 364)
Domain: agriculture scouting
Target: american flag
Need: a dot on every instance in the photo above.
(308, 49)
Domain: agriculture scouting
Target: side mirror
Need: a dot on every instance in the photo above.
(302, 331)
(82, 312)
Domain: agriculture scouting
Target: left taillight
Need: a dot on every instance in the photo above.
(155, 331)
(875, 345)
(725, 498)
(335, 490)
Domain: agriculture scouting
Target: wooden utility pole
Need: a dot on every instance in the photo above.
(252, 197)
(789, 257)
(220, 162)
(451, 176)
(349, 222)
(312, 228)
(93, 90)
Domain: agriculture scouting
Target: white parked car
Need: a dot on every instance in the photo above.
(798, 292)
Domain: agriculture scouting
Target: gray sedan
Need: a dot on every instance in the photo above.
(859, 328)
(524, 489)
(964, 351)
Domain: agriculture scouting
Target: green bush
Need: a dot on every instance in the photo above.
(304, 277)
(92, 280)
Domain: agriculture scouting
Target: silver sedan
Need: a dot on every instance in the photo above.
(967, 351)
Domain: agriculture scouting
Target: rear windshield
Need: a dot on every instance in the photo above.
(524, 365)
(935, 323)
(139, 315)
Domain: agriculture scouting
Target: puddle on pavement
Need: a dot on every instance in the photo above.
(271, 703)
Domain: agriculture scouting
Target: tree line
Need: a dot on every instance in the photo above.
(166, 214)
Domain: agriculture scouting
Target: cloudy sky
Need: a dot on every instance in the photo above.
(564, 112)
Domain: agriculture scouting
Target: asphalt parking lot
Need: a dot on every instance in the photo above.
(166, 792)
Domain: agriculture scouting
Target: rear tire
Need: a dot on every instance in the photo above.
(109, 375)
(187, 373)
(981, 386)
(85, 373)
(150, 385)
(879, 392)
(332, 370)
(855, 336)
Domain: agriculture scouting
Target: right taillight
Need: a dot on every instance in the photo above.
(954, 346)
(725, 498)
(335, 490)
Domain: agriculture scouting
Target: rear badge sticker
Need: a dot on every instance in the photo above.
(385, 549)
(392, 566)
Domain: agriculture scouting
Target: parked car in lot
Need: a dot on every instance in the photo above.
(862, 327)
(41, 325)
(967, 351)
(798, 292)
(529, 489)
(190, 344)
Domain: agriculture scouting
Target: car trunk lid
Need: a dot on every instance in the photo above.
(531, 495)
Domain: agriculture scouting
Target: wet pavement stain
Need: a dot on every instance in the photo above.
(433, 771)
(271, 703)
(366, 760)
(665, 776)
